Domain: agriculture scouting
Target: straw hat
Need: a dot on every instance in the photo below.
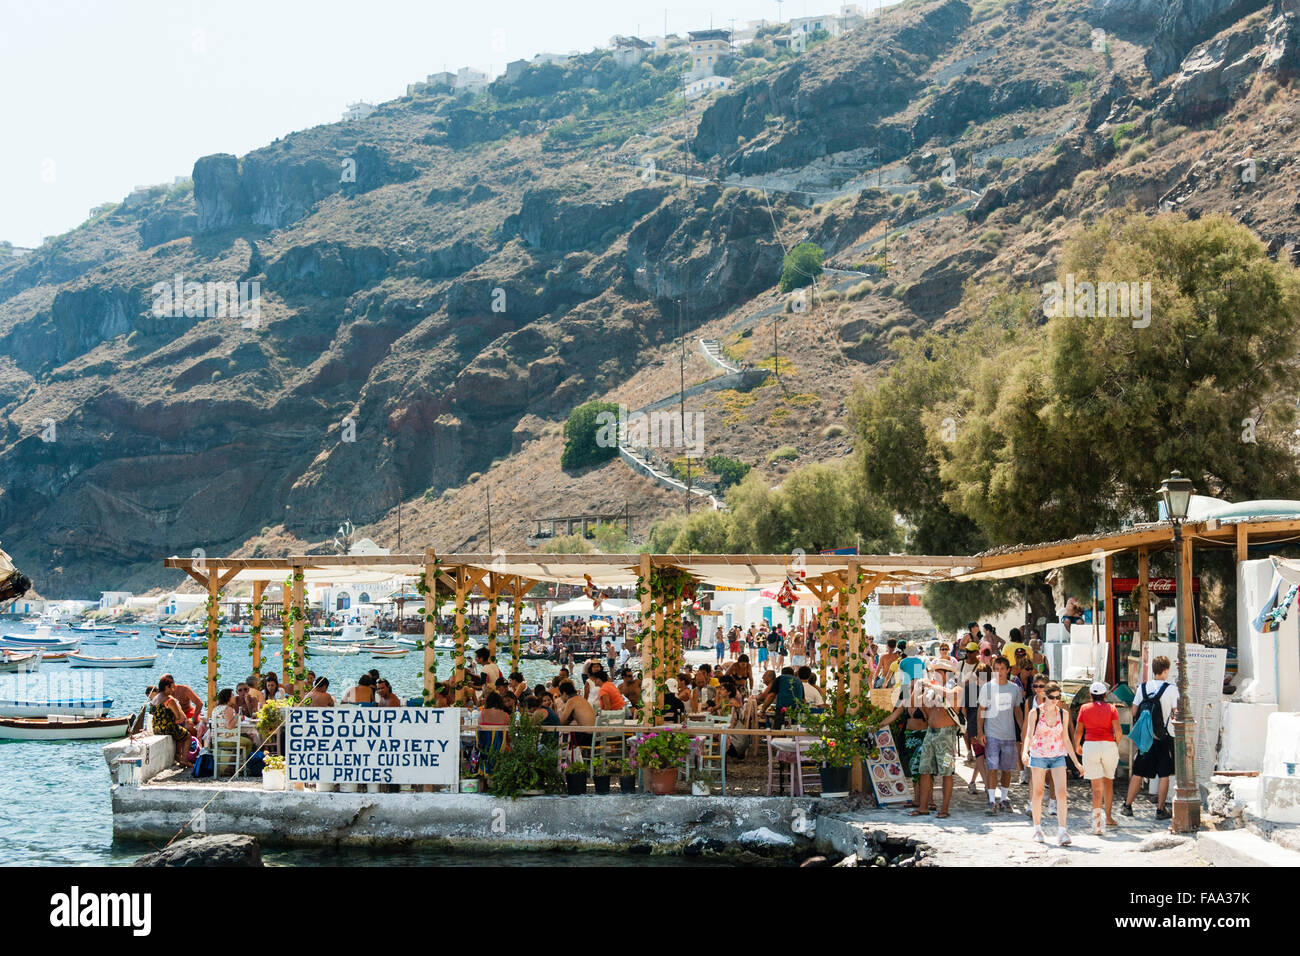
(943, 665)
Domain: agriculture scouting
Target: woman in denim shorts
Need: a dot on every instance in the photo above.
(1047, 744)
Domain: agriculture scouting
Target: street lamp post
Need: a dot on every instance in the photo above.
(1176, 492)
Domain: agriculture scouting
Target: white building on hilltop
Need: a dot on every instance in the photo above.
(358, 111)
(468, 78)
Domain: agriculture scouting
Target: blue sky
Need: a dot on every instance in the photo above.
(102, 96)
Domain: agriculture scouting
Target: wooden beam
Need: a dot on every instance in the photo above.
(494, 588)
(212, 613)
(430, 684)
(258, 588)
(1144, 607)
(1112, 622)
(463, 586)
(299, 632)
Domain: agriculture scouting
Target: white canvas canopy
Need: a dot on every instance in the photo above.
(585, 607)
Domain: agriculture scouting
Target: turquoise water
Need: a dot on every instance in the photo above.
(56, 808)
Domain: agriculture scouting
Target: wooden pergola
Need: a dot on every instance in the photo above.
(842, 584)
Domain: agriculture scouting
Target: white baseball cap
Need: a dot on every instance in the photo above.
(1098, 687)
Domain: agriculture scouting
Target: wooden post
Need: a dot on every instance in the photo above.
(853, 629)
(458, 676)
(258, 588)
(212, 613)
(1243, 542)
(1144, 584)
(1112, 621)
(493, 590)
(517, 606)
(299, 631)
(643, 572)
(430, 626)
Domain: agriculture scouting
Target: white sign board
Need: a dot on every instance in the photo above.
(1205, 671)
(415, 745)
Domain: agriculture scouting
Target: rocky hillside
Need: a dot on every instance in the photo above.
(439, 284)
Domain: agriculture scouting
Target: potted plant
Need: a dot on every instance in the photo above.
(661, 755)
(531, 765)
(575, 776)
(273, 773)
(271, 717)
(602, 768)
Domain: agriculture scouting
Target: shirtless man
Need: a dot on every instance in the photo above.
(320, 695)
(575, 710)
(185, 696)
(384, 696)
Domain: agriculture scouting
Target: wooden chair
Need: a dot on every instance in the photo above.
(229, 749)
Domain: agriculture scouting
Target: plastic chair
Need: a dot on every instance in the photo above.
(228, 749)
(798, 761)
(713, 751)
(605, 743)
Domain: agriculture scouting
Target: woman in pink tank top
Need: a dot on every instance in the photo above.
(1047, 745)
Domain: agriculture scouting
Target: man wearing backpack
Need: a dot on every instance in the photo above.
(1156, 700)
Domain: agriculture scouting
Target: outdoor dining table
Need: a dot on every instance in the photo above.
(786, 745)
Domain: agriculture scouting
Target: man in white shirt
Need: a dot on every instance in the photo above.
(1000, 716)
(811, 695)
(1158, 762)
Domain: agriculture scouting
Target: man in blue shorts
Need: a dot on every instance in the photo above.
(1000, 718)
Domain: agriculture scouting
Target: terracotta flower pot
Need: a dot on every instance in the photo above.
(663, 781)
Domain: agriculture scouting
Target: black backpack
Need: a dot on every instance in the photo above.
(1151, 705)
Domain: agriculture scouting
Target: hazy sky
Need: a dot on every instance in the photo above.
(101, 96)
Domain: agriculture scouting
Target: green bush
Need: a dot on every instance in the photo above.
(802, 264)
(729, 470)
(589, 438)
(784, 453)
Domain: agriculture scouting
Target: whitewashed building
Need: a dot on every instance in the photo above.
(706, 84)
(468, 78)
(108, 599)
(357, 111)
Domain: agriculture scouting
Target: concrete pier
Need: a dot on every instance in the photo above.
(641, 822)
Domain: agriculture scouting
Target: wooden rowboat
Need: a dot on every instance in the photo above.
(63, 728)
(84, 660)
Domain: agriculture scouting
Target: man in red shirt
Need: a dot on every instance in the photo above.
(607, 694)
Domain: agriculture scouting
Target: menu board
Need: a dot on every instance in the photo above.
(886, 770)
(1205, 672)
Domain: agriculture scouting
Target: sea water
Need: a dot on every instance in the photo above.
(55, 807)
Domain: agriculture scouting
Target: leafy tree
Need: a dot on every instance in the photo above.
(586, 435)
(801, 266)
(1011, 431)
(729, 470)
(567, 544)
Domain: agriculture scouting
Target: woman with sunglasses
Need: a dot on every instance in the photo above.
(1035, 702)
(1047, 744)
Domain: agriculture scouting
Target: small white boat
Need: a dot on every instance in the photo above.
(63, 728)
(73, 707)
(394, 652)
(18, 662)
(409, 641)
(54, 655)
(347, 634)
(84, 660)
(89, 628)
(334, 650)
(182, 643)
(42, 639)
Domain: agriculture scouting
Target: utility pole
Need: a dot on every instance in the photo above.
(489, 500)
(681, 335)
(399, 520)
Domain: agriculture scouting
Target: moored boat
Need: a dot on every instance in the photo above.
(30, 642)
(63, 728)
(334, 650)
(72, 707)
(393, 652)
(181, 643)
(84, 660)
(54, 655)
(119, 630)
(89, 628)
(18, 662)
